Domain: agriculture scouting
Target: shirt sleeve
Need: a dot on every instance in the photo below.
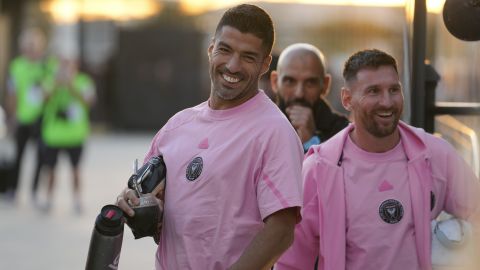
(279, 182)
(154, 149)
(305, 248)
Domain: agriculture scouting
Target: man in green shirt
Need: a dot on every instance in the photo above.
(65, 125)
(25, 99)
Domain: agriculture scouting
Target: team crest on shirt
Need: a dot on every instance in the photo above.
(391, 211)
(194, 169)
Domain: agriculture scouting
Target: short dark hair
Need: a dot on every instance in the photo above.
(371, 58)
(250, 19)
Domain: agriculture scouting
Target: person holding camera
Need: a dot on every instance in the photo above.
(66, 124)
(233, 163)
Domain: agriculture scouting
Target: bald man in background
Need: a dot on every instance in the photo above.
(301, 85)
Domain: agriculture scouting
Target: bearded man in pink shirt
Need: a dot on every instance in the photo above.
(371, 191)
(233, 191)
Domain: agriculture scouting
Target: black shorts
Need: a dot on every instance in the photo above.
(50, 155)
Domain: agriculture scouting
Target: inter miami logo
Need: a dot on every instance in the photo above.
(194, 169)
(391, 211)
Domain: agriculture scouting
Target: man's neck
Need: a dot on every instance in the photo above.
(217, 103)
(373, 144)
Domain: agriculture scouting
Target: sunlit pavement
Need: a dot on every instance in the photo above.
(30, 239)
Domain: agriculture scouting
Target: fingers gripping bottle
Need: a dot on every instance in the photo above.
(106, 241)
(147, 181)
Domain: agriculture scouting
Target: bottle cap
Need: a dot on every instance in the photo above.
(110, 220)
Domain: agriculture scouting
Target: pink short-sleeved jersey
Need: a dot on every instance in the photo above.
(379, 215)
(227, 170)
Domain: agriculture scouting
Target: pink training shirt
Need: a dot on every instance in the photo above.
(379, 219)
(227, 170)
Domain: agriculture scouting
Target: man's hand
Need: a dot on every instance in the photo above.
(302, 120)
(149, 217)
(270, 242)
(126, 200)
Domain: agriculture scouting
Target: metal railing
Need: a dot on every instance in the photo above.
(462, 137)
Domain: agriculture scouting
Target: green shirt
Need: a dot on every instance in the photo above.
(27, 77)
(66, 118)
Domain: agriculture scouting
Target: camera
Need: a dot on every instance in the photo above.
(147, 182)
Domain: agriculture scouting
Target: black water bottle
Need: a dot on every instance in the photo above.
(106, 241)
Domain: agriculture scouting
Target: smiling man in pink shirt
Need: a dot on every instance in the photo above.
(371, 191)
(233, 191)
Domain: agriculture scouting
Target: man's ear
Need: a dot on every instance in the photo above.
(274, 81)
(346, 96)
(327, 80)
(266, 64)
(210, 49)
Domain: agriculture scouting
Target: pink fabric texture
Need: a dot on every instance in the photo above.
(433, 167)
(227, 170)
(379, 224)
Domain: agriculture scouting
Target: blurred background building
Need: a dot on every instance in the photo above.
(148, 57)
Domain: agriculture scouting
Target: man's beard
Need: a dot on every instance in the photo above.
(381, 132)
